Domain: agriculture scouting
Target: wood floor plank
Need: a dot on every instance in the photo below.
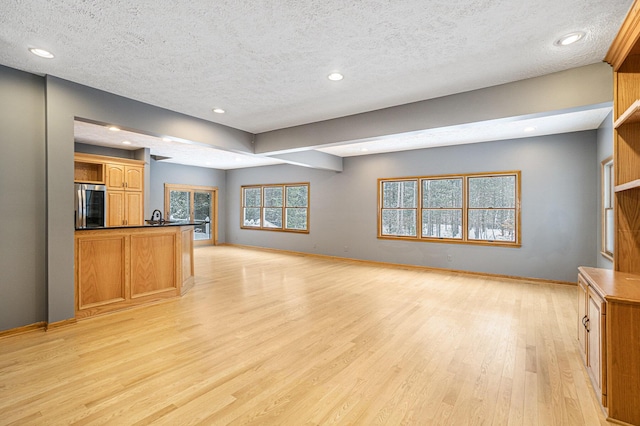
(280, 339)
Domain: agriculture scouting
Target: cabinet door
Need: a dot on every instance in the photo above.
(115, 176)
(595, 344)
(582, 318)
(115, 208)
(134, 178)
(134, 210)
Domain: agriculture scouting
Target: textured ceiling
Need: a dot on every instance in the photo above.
(266, 62)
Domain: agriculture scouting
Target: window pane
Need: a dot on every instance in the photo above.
(492, 225)
(399, 222)
(607, 187)
(202, 213)
(442, 193)
(252, 217)
(179, 206)
(297, 196)
(399, 194)
(608, 231)
(493, 191)
(442, 223)
(296, 218)
(273, 196)
(272, 218)
(252, 197)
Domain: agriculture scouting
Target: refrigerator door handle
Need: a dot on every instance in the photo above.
(84, 207)
(78, 207)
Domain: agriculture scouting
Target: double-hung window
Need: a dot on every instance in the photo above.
(468, 208)
(278, 207)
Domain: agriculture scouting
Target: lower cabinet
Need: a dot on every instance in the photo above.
(609, 339)
(124, 208)
(124, 267)
(591, 329)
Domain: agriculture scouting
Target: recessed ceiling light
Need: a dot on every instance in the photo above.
(529, 129)
(126, 142)
(219, 111)
(570, 38)
(166, 139)
(335, 76)
(114, 128)
(41, 52)
(364, 150)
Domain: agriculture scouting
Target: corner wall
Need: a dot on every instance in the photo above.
(23, 199)
(559, 220)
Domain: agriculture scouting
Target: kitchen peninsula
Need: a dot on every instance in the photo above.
(124, 266)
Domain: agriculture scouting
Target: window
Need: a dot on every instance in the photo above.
(607, 208)
(469, 208)
(280, 207)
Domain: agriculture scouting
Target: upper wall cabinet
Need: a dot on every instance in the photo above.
(125, 177)
(86, 169)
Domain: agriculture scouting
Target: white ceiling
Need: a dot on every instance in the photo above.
(266, 62)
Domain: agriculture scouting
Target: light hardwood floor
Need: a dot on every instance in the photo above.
(267, 338)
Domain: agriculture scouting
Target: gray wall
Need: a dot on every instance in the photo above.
(162, 173)
(559, 219)
(22, 191)
(605, 150)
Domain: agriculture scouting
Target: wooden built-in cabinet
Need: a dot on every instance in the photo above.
(609, 300)
(125, 177)
(124, 267)
(591, 335)
(87, 170)
(609, 339)
(124, 180)
(125, 201)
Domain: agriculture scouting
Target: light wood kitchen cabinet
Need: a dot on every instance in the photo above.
(124, 208)
(86, 169)
(125, 177)
(123, 267)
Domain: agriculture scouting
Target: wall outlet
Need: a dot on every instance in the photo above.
(449, 258)
(346, 249)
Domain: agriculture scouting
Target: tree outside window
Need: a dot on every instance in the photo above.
(469, 208)
(277, 207)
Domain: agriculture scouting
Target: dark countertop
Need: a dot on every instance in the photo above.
(142, 226)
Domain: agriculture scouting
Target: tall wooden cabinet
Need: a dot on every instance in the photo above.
(125, 199)
(124, 180)
(609, 300)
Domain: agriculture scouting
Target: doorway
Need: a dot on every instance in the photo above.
(190, 203)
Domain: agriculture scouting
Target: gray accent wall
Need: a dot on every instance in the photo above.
(23, 206)
(162, 173)
(559, 214)
(605, 150)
